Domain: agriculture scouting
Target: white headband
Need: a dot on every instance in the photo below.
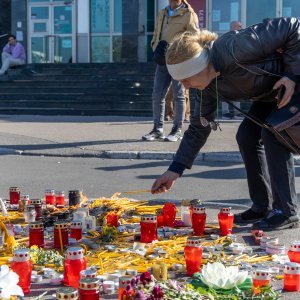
(189, 67)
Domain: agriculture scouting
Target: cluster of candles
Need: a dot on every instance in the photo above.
(52, 197)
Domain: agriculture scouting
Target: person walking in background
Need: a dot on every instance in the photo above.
(226, 113)
(169, 114)
(174, 19)
(13, 54)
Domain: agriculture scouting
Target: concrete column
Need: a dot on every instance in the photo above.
(83, 29)
(5, 21)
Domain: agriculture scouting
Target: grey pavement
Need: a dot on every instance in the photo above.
(105, 137)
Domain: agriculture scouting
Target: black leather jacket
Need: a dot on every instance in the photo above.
(240, 56)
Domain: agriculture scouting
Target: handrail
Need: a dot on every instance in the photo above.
(3, 35)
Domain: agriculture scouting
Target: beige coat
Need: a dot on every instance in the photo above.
(185, 19)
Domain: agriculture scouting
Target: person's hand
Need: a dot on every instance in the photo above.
(164, 182)
(289, 86)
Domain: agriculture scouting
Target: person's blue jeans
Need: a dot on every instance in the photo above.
(162, 81)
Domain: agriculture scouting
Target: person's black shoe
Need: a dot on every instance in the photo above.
(249, 216)
(277, 221)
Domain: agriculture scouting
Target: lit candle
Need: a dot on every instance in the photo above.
(169, 213)
(260, 278)
(61, 238)
(89, 289)
(60, 198)
(291, 279)
(88, 273)
(73, 265)
(66, 293)
(198, 219)
(50, 196)
(294, 252)
(148, 228)
(22, 265)
(193, 255)
(14, 195)
(225, 218)
(23, 202)
(76, 230)
(36, 234)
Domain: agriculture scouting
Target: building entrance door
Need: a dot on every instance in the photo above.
(51, 31)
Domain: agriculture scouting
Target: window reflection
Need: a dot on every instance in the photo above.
(257, 10)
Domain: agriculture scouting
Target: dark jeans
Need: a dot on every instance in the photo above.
(269, 165)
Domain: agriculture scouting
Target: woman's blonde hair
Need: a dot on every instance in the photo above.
(187, 45)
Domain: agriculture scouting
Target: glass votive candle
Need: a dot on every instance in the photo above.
(29, 214)
(60, 198)
(160, 271)
(76, 230)
(14, 195)
(36, 234)
(294, 252)
(67, 293)
(198, 219)
(185, 210)
(169, 213)
(112, 219)
(275, 248)
(148, 228)
(124, 282)
(74, 198)
(193, 255)
(22, 265)
(73, 265)
(50, 196)
(88, 273)
(225, 217)
(89, 289)
(37, 203)
(291, 278)
(23, 202)
(61, 238)
(260, 278)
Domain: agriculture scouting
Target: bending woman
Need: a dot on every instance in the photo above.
(243, 64)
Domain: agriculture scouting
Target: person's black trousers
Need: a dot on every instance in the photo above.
(269, 165)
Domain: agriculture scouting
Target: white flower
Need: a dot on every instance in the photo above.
(8, 283)
(217, 276)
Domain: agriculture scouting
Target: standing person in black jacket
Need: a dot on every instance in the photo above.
(223, 68)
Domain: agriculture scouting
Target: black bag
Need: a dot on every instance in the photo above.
(159, 54)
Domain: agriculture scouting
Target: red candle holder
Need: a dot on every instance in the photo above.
(37, 203)
(112, 219)
(60, 198)
(260, 278)
(36, 234)
(63, 228)
(193, 255)
(89, 289)
(148, 228)
(50, 197)
(169, 213)
(88, 273)
(198, 219)
(73, 265)
(76, 230)
(23, 202)
(123, 290)
(66, 293)
(22, 265)
(294, 252)
(225, 218)
(291, 278)
(14, 195)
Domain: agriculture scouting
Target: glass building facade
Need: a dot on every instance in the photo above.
(117, 31)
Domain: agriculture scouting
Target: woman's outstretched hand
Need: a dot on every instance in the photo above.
(164, 182)
(289, 86)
